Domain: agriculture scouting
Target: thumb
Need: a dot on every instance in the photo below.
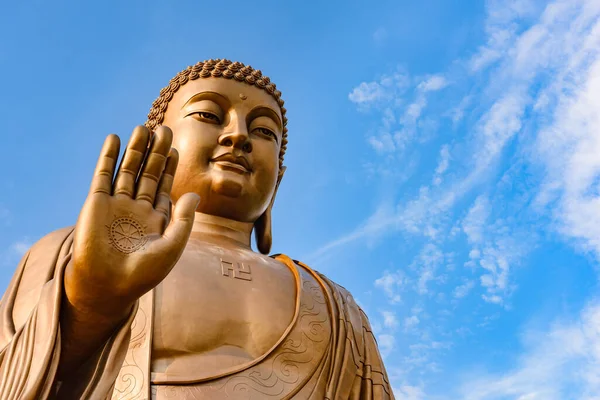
(167, 250)
(180, 227)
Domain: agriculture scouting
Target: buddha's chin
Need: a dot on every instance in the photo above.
(227, 187)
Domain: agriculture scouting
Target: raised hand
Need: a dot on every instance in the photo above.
(125, 241)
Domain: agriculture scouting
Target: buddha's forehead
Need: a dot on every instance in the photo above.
(234, 91)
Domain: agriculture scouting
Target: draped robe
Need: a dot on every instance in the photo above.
(328, 351)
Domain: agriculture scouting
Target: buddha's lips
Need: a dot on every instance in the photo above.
(241, 161)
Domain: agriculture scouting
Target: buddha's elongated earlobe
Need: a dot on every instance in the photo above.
(262, 227)
(263, 233)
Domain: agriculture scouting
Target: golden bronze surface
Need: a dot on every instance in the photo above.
(156, 292)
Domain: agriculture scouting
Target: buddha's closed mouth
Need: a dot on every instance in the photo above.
(229, 161)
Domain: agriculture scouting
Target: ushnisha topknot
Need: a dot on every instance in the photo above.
(217, 68)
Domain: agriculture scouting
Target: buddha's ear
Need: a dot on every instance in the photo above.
(262, 227)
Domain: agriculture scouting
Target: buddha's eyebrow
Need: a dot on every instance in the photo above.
(208, 95)
(265, 111)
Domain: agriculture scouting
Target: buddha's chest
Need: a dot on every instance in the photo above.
(220, 307)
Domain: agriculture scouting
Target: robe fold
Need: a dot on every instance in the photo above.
(331, 335)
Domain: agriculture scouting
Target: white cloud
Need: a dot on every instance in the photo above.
(496, 263)
(411, 322)
(568, 148)
(496, 248)
(408, 392)
(557, 61)
(386, 343)
(21, 247)
(390, 320)
(383, 143)
(413, 111)
(457, 113)
(500, 249)
(426, 264)
(423, 213)
(463, 290)
(500, 124)
(401, 115)
(560, 363)
(566, 43)
(373, 93)
(367, 92)
(421, 354)
(12, 255)
(433, 83)
(570, 50)
(380, 35)
(444, 160)
(533, 93)
(391, 283)
(474, 223)
(501, 29)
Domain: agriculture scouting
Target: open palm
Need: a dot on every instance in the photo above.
(125, 240)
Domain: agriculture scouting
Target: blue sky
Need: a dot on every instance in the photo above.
(443, 162)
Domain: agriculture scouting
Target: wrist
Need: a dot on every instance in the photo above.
(93, 302)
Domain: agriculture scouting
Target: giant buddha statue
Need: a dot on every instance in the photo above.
(156, 292)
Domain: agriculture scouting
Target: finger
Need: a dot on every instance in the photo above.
(154, 165)
(105, 168)
(176, 235)
(132, 161)
(163, 195)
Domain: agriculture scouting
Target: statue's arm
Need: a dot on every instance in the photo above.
(374, 378)
(70, 299)
(84, 331)
(36, 269)
(80, 334)
(109, 271)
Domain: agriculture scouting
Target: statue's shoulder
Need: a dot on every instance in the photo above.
(348, 301)
(340, 293)
(53, 239)
(45, 251)
(49, 245)
(36, 268)
(345, 293)
(346, 305)
(352, 321)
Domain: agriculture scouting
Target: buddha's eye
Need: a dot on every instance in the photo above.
(266, 132)
(206, 116)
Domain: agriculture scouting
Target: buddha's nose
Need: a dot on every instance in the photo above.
(238, 139)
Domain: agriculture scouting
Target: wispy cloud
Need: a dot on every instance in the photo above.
(433, 84)
(382, 92)
(20, 247)
(560, 363)
(527, 98)
(495, 248)
(502, 26)
(15, 251)
(443, 164)
(386, 343)
(409, 392)
(411, 322)
(426, 265)
(475, 222)
(566, 41)
(392, 284)
(463, 290)
(380, 36)
(390, 321)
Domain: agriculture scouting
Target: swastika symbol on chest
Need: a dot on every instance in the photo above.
(236, 270)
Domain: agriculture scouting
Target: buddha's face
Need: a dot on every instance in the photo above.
(228, 135)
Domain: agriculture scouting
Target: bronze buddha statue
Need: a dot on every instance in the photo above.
(156, 292)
